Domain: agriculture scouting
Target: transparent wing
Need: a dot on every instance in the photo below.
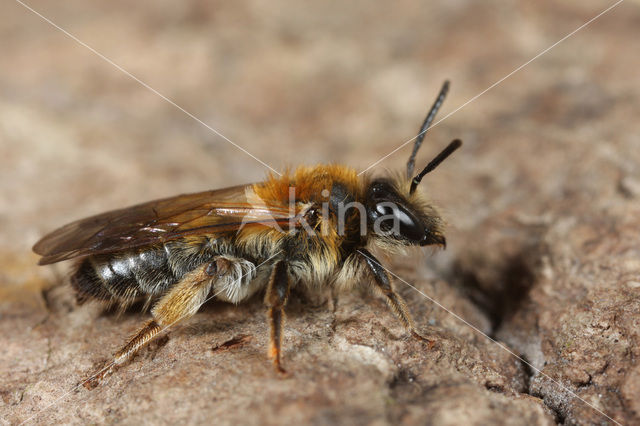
(210, 212)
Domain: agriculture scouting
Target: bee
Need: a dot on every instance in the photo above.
(311, 226)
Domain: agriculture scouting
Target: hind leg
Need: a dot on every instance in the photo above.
(181, 302)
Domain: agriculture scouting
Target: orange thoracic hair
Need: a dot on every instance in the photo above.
(312, 186)
(309, 183)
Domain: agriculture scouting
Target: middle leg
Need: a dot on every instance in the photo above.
(275, 299)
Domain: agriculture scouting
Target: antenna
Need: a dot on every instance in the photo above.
(425, 126)
(455, 144)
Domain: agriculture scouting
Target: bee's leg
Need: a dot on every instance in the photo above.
(275, 299)
(393, 299)
(182, 301)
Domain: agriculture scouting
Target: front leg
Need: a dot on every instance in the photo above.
(275, 299)
(382, 283)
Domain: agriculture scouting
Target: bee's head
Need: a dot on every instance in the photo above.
(396, 213)
(398, 218)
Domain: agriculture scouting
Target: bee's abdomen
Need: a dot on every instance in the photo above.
(128, 276)
(87, 284)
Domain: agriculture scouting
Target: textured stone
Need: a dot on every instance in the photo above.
(543, 254)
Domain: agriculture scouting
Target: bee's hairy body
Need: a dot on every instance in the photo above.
(148, 272)
(312, 226)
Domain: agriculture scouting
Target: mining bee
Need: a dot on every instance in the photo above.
(311, 226)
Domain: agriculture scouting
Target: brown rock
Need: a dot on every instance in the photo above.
(543, 255)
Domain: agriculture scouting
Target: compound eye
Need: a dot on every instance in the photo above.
(408, 226)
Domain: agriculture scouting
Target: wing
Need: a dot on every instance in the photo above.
(211, 212)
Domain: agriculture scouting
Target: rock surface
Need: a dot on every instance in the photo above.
(543, 202)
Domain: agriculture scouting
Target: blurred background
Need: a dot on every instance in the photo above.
(551, 155)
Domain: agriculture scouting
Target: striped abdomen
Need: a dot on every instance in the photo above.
(124, 277)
